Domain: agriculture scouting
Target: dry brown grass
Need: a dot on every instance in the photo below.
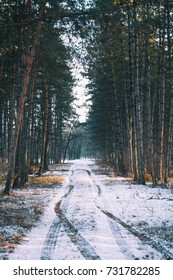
(9, 246)
(148, 177)
(42, 179)
(170, 180)
(46, 179)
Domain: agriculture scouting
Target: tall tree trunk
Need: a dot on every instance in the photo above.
(23, 175)
(45, 127)
(147, 115)
(131, 89)
(58, 134)
(137, 103)
(31, 116)
(159, 111)
(168, 98)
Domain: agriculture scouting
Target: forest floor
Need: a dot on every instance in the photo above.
(79, 210)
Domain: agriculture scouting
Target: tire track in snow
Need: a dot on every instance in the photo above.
(51, 238)
(76, 238)
(148, 240)
(113, 226)
(115, 229)
(82, 244)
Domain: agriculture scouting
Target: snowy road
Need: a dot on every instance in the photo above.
(89, 220)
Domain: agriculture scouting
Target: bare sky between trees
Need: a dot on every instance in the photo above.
(80, 93)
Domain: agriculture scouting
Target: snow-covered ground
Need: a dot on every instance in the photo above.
(95, 216)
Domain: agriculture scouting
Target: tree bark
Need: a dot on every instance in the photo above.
(45, 127)
(137, 103)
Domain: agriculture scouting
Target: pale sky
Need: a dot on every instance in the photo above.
(80, 91)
